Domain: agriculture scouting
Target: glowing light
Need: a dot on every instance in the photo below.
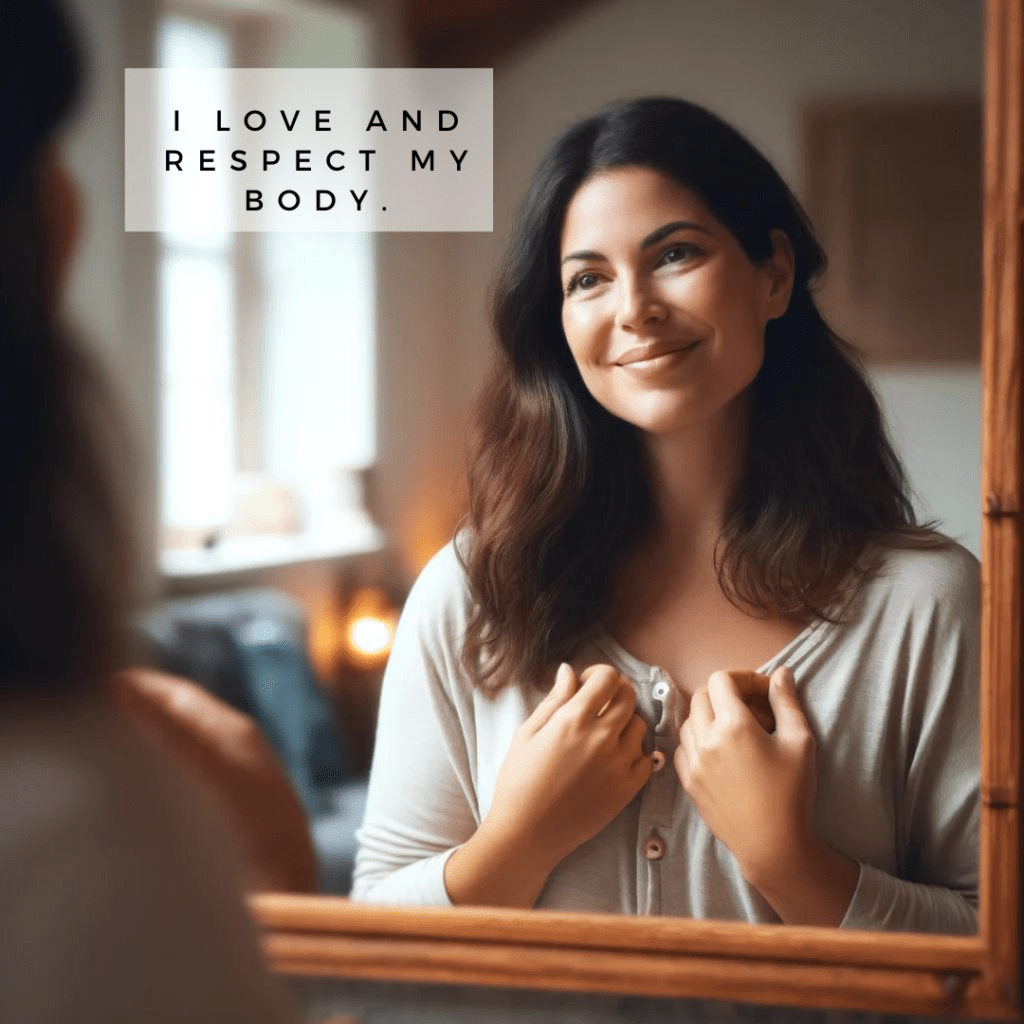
(369, 628)
(370, 636)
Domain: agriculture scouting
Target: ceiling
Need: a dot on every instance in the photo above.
(478, 33)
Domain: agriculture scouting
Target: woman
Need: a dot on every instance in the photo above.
(118, 886)
(680, 478)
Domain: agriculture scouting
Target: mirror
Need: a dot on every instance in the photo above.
(925, 974)
(809, 125)
(975, 976)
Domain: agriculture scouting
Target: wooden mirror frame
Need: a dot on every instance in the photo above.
(976, 976)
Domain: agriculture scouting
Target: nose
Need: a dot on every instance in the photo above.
(639, 305)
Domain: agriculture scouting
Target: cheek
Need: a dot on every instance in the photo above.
(580, 333)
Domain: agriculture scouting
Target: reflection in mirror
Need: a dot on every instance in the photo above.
(892, 791)
(682, 503)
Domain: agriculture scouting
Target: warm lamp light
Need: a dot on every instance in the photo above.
(369, 628)
(369, 637)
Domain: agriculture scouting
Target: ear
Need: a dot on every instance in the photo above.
(781, 268)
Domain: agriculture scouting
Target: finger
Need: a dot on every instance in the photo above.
(600, 687)
(643, 767)
(726, 699)
(753, 689)
(761, 709)
(702, 715)
(790, 720)
(750, 684)
(566, 684)
(622, 701)
(634, 732)
(615, 718)
(686, 754)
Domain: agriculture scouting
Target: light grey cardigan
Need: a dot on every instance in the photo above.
(892, 698)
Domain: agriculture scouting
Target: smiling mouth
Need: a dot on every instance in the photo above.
(642, 357)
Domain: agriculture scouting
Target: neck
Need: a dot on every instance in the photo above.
(695, 473)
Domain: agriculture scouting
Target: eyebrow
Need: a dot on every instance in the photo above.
(652, 239)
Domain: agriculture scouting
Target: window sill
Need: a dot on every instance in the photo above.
(357, 536)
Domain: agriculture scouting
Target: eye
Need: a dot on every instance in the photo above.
(584, 280)
(678, 252)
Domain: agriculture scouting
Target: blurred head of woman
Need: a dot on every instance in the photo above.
(660, 275)
(64, 552)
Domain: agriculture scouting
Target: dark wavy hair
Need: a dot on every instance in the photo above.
(65, 552)
(559, 492)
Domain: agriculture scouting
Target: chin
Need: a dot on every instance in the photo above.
(662, 423)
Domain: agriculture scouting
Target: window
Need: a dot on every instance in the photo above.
(267, 345)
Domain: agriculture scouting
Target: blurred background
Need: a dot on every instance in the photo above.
(299, 402)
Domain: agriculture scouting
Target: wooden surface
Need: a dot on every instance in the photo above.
(476, 33)
(977, 976)
(1000, 924)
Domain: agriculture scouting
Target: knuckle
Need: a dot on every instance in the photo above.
(711, 742)
(732, 729)
(803, 743)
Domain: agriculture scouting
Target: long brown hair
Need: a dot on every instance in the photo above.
(65, 554)
(559, 493)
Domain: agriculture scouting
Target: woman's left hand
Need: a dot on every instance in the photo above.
(754, 790)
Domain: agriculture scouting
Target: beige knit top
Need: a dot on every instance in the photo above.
(891, 695)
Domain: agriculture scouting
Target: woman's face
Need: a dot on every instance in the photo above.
(663, 311)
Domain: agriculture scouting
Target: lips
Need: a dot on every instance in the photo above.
(646, 353)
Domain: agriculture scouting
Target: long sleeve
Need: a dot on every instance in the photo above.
(938, 809)
(422, 802)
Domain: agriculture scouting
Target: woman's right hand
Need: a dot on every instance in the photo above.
(573, 765)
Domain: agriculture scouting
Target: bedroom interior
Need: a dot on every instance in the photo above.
(320, 617)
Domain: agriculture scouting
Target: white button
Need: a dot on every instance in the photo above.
(654, 848)
(661, 690)
(658, 760)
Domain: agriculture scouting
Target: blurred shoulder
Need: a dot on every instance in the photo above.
(443, 573)
(78, 771)
(440, 598)
(95, 823)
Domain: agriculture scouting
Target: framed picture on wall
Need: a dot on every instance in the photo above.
(894, 187)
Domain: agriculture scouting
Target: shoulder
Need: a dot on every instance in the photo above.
(940, 582)
(90, 778)
(106, 823)
(439, 603)
(442, 582)
(443, 575)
